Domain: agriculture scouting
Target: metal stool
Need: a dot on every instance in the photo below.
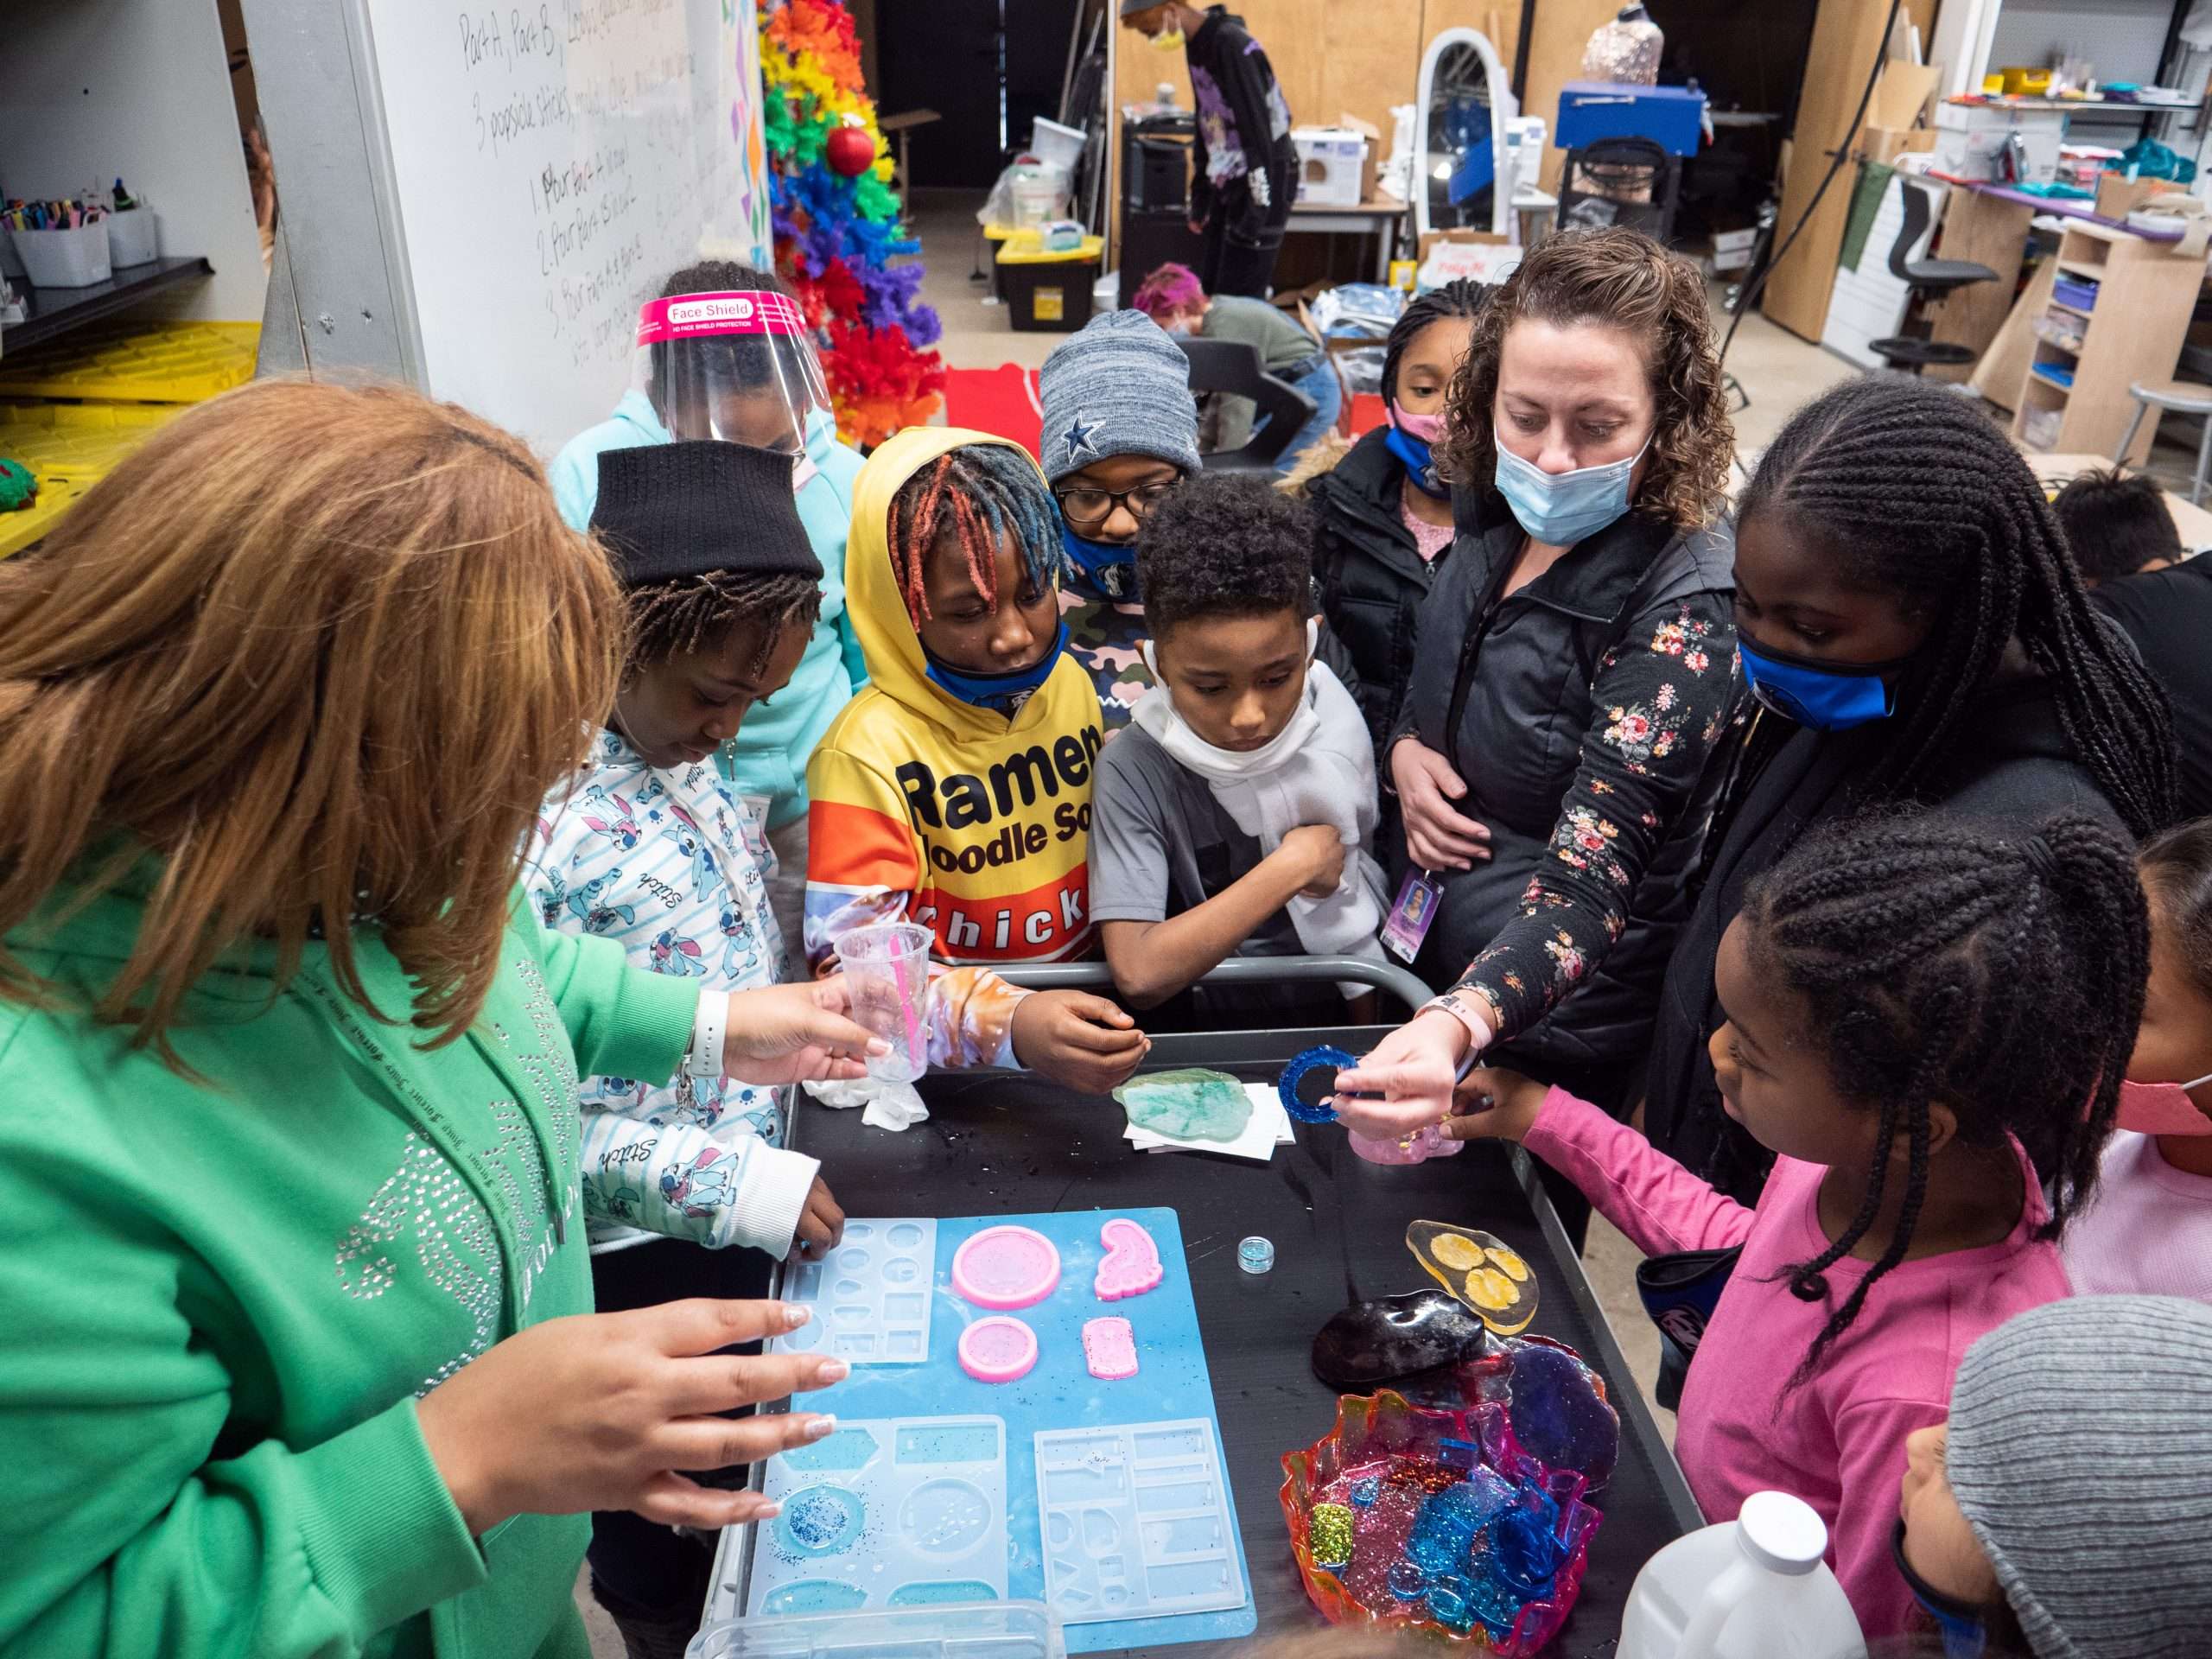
(2174, 397)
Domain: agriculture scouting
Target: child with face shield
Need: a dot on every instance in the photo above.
(725, 354)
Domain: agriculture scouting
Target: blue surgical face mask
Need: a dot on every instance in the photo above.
(1824, 696)
(1421, 462)
(1110, 567)
(1559, 509)
(1002, 694)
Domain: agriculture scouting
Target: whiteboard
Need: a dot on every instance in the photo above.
(552, 163)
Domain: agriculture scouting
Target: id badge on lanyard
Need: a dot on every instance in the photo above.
(1412, 915)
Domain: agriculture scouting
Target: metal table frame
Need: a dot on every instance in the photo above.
(1247, 1048)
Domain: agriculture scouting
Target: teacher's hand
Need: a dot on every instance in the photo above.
(1438, 835)
(796, 1033)
(604, 1411)
(1412, 1069)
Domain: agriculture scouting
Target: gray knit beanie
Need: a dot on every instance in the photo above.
(1119, 387)
(2080, 1452)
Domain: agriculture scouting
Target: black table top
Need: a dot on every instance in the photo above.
(1002, 1142)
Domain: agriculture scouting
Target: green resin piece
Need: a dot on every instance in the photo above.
(1192, 1104)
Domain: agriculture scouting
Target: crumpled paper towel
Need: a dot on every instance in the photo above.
(889, 1105)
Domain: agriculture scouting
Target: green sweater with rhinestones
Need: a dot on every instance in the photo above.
(222, 1298)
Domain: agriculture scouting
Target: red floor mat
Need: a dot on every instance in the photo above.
(1000, 401)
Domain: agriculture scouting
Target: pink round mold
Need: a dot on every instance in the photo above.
(999, 1349)
(1007, 1268)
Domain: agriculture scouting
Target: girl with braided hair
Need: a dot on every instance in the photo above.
(1383, 518)
(1926, 1021)
(1914, 631)
(953, 792)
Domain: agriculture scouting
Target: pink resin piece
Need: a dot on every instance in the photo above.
(1006, 1268)
(1110, 1348)
(1132, 1264)
(998, 1350)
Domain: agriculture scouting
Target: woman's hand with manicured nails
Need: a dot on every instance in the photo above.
(1079, 1042)
(1411, 1070)
(1438, 835)
(797, 1033)
(605, 1411)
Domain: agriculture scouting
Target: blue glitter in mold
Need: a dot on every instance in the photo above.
(1365, 1491)
(822, 1520)
(1311, 1059)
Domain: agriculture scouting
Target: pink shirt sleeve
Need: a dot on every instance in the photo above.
(1870, 1454)
(1657, 1203)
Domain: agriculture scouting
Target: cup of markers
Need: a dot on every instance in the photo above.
(61, 244)
(133, 234)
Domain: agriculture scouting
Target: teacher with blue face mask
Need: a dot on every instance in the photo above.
(1573, 673)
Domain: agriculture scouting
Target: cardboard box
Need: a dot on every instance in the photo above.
(1447, 255)
(1902, 94)
(1334, 166)
(1731, 250)
(1886, 144)
(2117, 193)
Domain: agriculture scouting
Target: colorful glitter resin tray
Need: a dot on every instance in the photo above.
(1437, 1521)
(870, 1295)
(887, 1512)
(1135, 1524)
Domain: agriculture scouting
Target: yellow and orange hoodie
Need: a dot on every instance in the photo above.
(930, 810)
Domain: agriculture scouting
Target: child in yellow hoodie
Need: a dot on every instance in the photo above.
(955, 792)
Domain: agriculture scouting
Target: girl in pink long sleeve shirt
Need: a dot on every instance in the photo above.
(1916, 1012)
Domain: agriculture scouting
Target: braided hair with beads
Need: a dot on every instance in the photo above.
(1917, 493)
(1939, 960)
(977, 493)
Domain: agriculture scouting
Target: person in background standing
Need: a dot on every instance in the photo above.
(1173, 297)
(2140, 576)
(1243, 165)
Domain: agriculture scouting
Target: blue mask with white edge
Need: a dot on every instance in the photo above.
(1110, 567)
(1559, 509)
(1002, 694)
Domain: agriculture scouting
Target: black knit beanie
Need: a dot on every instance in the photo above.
(692, 509)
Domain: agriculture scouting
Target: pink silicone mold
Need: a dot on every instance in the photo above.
(1000, 1349)
(1110, 1348)
(1132, 1264)
(1007, 1268)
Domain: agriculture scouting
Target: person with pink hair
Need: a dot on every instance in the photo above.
(1173, 297)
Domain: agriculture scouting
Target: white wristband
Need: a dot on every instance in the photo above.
(708, 1028)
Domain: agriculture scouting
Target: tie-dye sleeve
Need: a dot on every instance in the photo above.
(970, 1015)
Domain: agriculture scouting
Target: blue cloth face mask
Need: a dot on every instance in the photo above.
(1824, 696)
(1002, 694)
(1110, 567)
(1559, 509)
(1421, 462)
(1962, 1624)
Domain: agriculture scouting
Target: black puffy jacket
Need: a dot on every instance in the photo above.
(1372, 578)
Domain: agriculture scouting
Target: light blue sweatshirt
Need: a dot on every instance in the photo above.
(768, 755)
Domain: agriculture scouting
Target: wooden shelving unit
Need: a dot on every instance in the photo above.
(2146, 292)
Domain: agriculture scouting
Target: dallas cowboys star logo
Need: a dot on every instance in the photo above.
(1082, 436)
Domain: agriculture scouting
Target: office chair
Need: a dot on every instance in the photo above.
(1232, 367)
(1928, 280)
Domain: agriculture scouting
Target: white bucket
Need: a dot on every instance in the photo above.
(1051, 141)
(133, 237)
(65, 259)
(1040, 195)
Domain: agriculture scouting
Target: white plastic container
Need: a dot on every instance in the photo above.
(1751, 1588)
(989, 1630)
(133, 237)
(1061, 146)
(65, 259)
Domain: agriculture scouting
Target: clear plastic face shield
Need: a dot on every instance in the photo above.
(739, 367)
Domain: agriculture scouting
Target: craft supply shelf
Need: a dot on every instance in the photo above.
(50, 312)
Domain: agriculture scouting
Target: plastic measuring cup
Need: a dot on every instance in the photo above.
(887, 969)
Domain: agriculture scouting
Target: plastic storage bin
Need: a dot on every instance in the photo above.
(1049, 293)
(134, 236)
(74, 257)
(965, 1630)
(2077, 292)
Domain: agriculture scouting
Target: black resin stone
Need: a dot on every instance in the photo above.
(1371, 1344)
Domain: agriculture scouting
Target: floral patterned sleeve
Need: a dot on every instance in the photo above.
(1659, 701)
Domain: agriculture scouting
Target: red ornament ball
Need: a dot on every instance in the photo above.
(850, 151)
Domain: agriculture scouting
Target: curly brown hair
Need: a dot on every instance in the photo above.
(1625, 280)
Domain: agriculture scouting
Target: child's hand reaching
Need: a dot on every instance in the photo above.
(1317, 851)
(1082, 1041)
(1491, 1103)
(821, 1224)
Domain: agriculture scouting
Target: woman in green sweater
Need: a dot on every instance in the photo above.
(301, 1357)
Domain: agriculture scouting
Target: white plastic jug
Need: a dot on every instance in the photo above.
(1751, 1588)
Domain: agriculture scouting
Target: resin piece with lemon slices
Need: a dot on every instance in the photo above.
(1482, 1270)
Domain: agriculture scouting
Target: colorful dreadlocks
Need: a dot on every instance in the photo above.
(979, 492)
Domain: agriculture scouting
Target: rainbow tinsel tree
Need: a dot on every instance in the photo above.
(836, 237)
